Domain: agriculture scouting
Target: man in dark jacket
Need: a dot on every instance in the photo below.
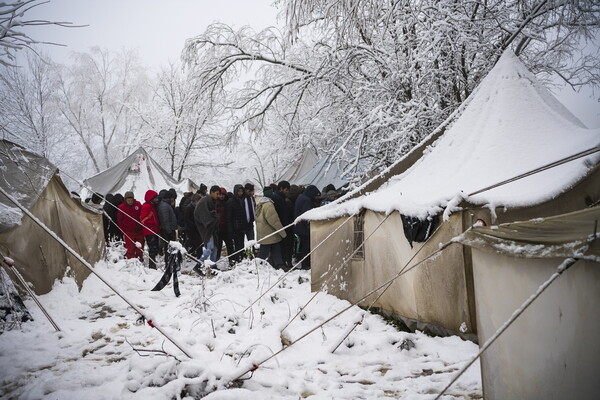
(306, 201)
(286, 217)
(193, 240)
(207, 222)
(168, 221)
(237, 221)
(111, 229)
(250, 209)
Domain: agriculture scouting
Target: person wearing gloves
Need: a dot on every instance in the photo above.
(267, 223)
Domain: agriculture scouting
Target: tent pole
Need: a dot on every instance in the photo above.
(152, 323)
(10, 263)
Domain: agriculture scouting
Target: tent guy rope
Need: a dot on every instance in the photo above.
(566, 264)
(9, 262)
(152, 323)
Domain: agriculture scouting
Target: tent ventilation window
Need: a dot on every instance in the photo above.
(359, 236)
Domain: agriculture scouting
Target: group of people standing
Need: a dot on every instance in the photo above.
(205, 220)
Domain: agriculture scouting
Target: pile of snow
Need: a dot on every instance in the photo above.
(511, 125)
(103, 352)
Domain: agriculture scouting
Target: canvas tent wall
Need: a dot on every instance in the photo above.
(299, 166)
(511, 125)
(40, 259)
(308, 169)
(138, 173)
(552, 349)
(323, 173)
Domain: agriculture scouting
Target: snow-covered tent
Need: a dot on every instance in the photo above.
(552, 350)
(138, 172)
(511, 125)
(308, 169)
(299, 167)
(323, 173)
(34, 182)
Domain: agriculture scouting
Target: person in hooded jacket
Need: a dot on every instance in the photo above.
(306, 201)
(149, 218)
(237, 221)
(286, 216)
(207, 222)
(193, 240)
(267, 223)
(128, 220)
(168, 221)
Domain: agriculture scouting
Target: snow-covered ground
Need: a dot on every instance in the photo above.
(103, 352)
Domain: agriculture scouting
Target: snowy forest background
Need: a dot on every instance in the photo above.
(363, 81)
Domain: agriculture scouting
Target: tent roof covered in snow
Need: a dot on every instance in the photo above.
(138, 173)
(301, 165)
(34, 182)
(323, 173)
(308, 169)
(510, 125)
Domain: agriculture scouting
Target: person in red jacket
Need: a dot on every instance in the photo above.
(149, 218)
(128, 219)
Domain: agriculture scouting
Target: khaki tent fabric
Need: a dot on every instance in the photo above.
(39, 258)
(567, 235)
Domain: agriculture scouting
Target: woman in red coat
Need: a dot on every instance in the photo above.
(149, 218)
(128, 220)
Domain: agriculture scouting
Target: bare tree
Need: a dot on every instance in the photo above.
(179, 125)
(367, 80)
(13, 22)
(28, 104)
(97, 93)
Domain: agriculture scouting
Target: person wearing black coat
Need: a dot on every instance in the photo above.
(305, 202)
(193, 240)
(237, 222)
(207, 222)
(286, 216)
(112, 233)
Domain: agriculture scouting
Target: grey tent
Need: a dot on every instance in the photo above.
(138, 173)
(35, 183)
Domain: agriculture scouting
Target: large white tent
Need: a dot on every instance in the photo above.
(138, 173)
(510, 126)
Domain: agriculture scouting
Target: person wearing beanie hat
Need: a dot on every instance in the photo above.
(128, 220)
(149, 217)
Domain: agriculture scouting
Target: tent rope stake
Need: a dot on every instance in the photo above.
(89, 267)
(566, 264)
(8, 262)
